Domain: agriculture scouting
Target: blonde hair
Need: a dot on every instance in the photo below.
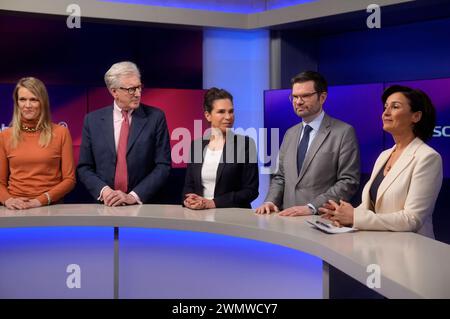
(44, 124)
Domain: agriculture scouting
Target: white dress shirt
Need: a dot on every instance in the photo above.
(118, 119)
(315, 125)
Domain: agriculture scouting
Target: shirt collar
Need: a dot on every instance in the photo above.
(315, 124)
(118, 110)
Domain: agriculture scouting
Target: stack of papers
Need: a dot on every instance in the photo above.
(327, 226)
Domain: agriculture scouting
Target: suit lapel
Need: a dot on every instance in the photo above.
(137, 124)
(401, 164)
(107, 124)
(229, 141)
(291, 153)
(376, 169)
(198, 173)
(321, 135)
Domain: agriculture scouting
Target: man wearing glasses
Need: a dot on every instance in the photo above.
(125, 151)
(319, 157)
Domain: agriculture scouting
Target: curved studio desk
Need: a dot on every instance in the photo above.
(166, 251)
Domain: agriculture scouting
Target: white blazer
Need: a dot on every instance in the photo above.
(407, 194)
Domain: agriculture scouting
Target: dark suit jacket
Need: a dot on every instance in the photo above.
(237, 175)
(148, 153)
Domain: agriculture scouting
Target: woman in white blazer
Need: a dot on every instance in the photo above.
(406, 179)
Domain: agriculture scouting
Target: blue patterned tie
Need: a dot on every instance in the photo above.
(303, 147)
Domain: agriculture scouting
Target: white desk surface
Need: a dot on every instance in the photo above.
(412, 266)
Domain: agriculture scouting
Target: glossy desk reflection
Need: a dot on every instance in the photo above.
(412, 266)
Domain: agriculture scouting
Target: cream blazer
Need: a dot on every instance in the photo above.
(407, 194)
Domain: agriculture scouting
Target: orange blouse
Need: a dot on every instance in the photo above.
(30, 170)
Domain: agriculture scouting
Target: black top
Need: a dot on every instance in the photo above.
(237, 177)
(375, 185)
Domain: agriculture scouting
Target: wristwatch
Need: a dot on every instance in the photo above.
(313, 209)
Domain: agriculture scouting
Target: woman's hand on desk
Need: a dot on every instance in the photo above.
(16, 203)
(32, 203)
(341, 214)
(21, 203)
(194, 201)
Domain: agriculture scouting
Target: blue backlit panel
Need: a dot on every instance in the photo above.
(158, 263)
(238, 61)
(56, 262)
(277, 4)
(6, 105)
(153, 263)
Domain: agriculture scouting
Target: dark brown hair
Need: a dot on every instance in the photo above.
(320, 84)
(418, 101)
(215, 94)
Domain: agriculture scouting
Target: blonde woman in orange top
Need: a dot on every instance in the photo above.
(36, 161)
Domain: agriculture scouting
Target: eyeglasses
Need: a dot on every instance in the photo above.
(303, 97)
(133, 89)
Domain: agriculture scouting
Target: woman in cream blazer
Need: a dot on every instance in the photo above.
(406, 179)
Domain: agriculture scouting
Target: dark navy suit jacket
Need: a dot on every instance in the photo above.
(148, 152)
(237, 177)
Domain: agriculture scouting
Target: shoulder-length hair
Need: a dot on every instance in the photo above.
(44, 123)
(419, 101)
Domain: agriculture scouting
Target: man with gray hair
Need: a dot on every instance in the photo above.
(125, 151)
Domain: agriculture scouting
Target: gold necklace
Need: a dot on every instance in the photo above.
(28, 129)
